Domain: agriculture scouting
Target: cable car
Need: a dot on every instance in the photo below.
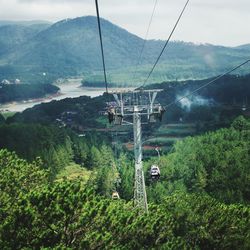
(114, 117)
(155, 172)
(157, 114)
(161, 112)
(244, 108)
(111, 114)
(115, 195)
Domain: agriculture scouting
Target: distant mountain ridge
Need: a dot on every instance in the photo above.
(244, 47)
(71, 47)
(24, 23)
(14, 35)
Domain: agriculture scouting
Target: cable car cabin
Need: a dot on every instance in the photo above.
(114, 117)
(157, 114)
(118, 119)
(115, 195)
(111, 114)
(155, 172)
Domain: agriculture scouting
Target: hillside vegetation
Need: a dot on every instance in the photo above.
(21, 92)
(216, 163)
(71, 47)
(56, 147)
(183, 214)
(59, 165)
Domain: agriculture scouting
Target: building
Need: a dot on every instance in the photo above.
(5, 81)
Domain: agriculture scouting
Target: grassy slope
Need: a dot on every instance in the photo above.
(73, 171)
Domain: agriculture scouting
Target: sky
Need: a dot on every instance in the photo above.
(219, 22)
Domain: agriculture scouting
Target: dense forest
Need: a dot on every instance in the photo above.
(59, 165)
(214, 107)
(230, 89)
(55, 146)
(200, 202)
(67, 171)
(216, 163)
(76, 113)
(21, 92)
(2, 119)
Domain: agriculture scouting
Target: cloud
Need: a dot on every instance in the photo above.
(207, 21)
(188, 101)
(52, 1)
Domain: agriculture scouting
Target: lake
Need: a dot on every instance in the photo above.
(71, 89)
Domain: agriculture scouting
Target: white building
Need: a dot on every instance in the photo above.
(17, 81)
(5, 81)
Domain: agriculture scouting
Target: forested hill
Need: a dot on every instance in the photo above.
(229, 90)
(60, 196)
(200, 202)
(15, 34)
(71, 47)
(21, 92)
(216, 163)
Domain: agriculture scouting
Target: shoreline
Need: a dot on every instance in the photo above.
(28, 101)
(71, 89)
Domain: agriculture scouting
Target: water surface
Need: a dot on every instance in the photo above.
(70, 89)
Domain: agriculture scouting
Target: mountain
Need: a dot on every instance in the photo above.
(75, 43)
(13, 36)
(244, 47)
(24, 23)
(71, 47)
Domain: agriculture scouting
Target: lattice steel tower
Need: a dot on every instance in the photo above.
(136, 108)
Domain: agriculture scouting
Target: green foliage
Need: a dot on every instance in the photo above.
(85, 108)
(2, 119)
(36, 214)
(58, 148)
(14, 35)
(225, 99)
(200, 202)
(241, 124)
(81, 151)
(30, 141)
(17, 175)
(205, 223)
(28, 51)
(5, 115)
(20, 92)
(126, 172)
(216, 163)
(17, 178)
(72, 172)
(67, 215)
(106, 173)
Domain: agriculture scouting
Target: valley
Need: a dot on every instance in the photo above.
(29, 51)
(104, 145)
(72, 88)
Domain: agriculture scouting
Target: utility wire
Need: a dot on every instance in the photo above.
(164, 47)
(145, 39)
(210, 82)
(100, 35)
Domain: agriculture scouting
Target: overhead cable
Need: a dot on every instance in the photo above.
(100, 35)
(145, 39)
(208, 83)
(166, 43)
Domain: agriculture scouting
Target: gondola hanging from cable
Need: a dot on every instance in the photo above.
(155, 172)
(115, 195)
